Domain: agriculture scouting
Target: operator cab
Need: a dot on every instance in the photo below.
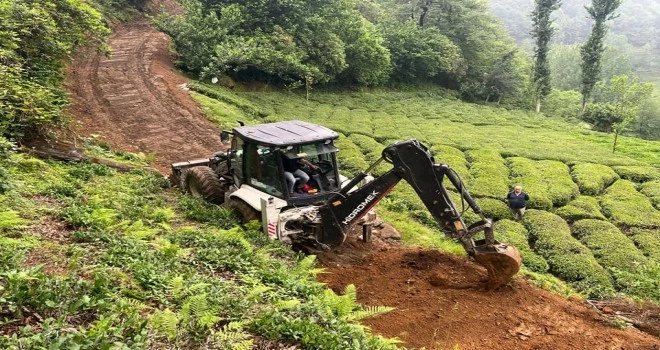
(259, 153)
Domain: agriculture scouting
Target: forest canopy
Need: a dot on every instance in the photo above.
(452, 43)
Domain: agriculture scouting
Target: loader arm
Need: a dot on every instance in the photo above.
(413, 163)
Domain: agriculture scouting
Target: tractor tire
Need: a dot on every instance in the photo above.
(244, 211)
(202, 181)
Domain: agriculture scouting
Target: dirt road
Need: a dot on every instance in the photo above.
(135, 101)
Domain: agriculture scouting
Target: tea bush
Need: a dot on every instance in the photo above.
(623, 205)
(493, 208)
(582, 207)
(350, 157)
(593, 178)
(568, 259)
(454, 158)
(372, 152)
(638, 173)
(515, 234)
(652, 190)
(648, 242)
(632, 273)
(547, 182)
(490, 175)
(609, 245)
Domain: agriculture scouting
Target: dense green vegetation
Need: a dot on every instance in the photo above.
(36, 40)
(166, 270)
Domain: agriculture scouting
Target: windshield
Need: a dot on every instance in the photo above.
(310, 150)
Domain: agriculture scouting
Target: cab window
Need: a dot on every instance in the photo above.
(261, 170)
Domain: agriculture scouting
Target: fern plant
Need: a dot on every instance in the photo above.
(233, 337)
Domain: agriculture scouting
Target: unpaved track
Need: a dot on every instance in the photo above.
(135, 101)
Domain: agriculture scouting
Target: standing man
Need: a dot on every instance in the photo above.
(517, 200)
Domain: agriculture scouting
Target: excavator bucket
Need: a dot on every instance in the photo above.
(501, 260)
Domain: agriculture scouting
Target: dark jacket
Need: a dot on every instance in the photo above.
(517, 202)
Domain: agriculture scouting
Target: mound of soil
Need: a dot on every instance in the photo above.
(441, 301)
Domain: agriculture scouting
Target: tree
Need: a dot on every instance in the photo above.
(617, 104)
(418, 54)
(600, 11)
(542, 31)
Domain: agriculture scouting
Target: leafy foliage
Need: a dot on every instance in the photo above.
(582, 207)
(567, 258)
(648, 241)
(515, 234)
(652, 190)
(623, 205)
(593, 178)
(638, 173)
(36, 39)
(548, 182)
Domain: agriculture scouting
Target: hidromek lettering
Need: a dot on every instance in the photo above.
(359, 208)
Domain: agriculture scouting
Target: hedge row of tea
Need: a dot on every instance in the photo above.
(571, 178)
(167, 271)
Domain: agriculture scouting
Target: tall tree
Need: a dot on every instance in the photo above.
(542, 31)
(600, 11)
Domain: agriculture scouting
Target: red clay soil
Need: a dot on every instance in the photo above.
(441, 301)
(135, 99)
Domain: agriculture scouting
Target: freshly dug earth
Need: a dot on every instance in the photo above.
(135, 100)
(441, 301)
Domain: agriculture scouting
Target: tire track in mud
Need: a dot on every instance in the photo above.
(135, 101)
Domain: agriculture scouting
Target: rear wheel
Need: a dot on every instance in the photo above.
(245, 211)
(202, 181)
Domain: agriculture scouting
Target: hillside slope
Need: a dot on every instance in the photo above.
(163, 126)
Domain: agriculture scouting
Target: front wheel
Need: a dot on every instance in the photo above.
(202, 181)
(244, 211)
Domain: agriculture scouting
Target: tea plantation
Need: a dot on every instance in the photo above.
(593, 220)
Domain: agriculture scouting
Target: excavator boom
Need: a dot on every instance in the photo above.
(414, 163)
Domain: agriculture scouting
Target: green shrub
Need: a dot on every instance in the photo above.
(652, 190)
(593, 178)
(454, 158)
(547, 182)
(350, 157)
(609, 245)
(372, 151)
(582, 207)
(648, 241)
(568, 259)
(490, 175)
(622, 204)
(493, 208)
(638, 173)
(515, 234)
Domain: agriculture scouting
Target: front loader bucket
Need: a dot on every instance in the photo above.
(501, 260)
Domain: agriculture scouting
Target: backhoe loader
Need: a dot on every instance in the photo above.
(250, 178)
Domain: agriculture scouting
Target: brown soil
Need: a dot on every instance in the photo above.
(441, 301)
(135, 99)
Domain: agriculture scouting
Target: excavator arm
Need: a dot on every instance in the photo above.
(414, 163)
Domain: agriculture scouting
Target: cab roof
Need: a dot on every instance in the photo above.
(287, 133)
